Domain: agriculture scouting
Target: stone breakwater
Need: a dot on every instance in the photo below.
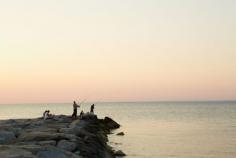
(60, 137)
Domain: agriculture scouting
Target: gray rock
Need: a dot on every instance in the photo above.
(17, 131)
(75, 123)
(66, 130)
(56, 138)
(119, 153)
(26, 143)
(89, 116)
(120, 134)
(37, 123)
(10, 121)
(37, 136)
(82, 132)
(56, 153)
(6, 137)
(52, 153)
(34, 149)
(62, 119)
(42, 129)
(71, 155)
(66, 145)
(111, 124)
(46, 143)
(8, 152)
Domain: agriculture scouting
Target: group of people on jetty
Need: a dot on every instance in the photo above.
(75, 106)
(47, 115)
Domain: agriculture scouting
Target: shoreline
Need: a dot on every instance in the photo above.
(60, 137)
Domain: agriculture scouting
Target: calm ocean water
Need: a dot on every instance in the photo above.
(158, 129)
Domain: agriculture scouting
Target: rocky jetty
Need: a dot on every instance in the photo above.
(60, 137)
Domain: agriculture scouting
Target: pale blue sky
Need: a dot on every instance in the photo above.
(117, 50)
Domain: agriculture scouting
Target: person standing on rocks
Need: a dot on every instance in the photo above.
(75, 106)
(92, 108)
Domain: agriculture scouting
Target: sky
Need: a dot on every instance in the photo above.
(117, 50)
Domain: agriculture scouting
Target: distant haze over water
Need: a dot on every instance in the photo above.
(158, 129)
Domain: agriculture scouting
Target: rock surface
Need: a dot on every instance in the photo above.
(8, 152)
(60, 137)
(6, 137)
(66, 145)
(120, 134)
(119, 153)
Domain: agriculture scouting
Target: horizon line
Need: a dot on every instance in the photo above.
(128, 101)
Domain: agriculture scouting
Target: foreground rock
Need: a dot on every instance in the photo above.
(6, 137)
(60, 137)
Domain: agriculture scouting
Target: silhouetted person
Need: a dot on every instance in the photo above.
(50, 115)
(81, 114)
(47, 115)
(75, 106)
(92, 108)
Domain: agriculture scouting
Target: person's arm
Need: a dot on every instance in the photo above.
(76, 105)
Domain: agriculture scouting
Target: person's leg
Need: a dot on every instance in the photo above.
(75, 113)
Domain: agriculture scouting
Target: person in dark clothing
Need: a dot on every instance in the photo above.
(92, 108)
(81, 114)
(75, 106)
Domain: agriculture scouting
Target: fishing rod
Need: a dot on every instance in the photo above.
(83, 101)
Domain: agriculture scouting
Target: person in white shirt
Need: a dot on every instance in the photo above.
(45, 114)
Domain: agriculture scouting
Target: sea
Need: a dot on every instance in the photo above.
(204, 129)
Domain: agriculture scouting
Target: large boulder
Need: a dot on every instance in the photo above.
(30, 147)
(10, 152)
(82, 132)
(75, 123)
(42, 129)
(78, 124)
(120, 134)
(17, 131)
(47, 143)
(119, 153)
(52, 153)
(66, 130)
(37, 136)
(62, 119)
(89, 116)
(70, 137)
(45, 136)
(111, 124)
(66, 145)
(6, 137)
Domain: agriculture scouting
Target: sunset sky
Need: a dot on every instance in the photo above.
(117, 50)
